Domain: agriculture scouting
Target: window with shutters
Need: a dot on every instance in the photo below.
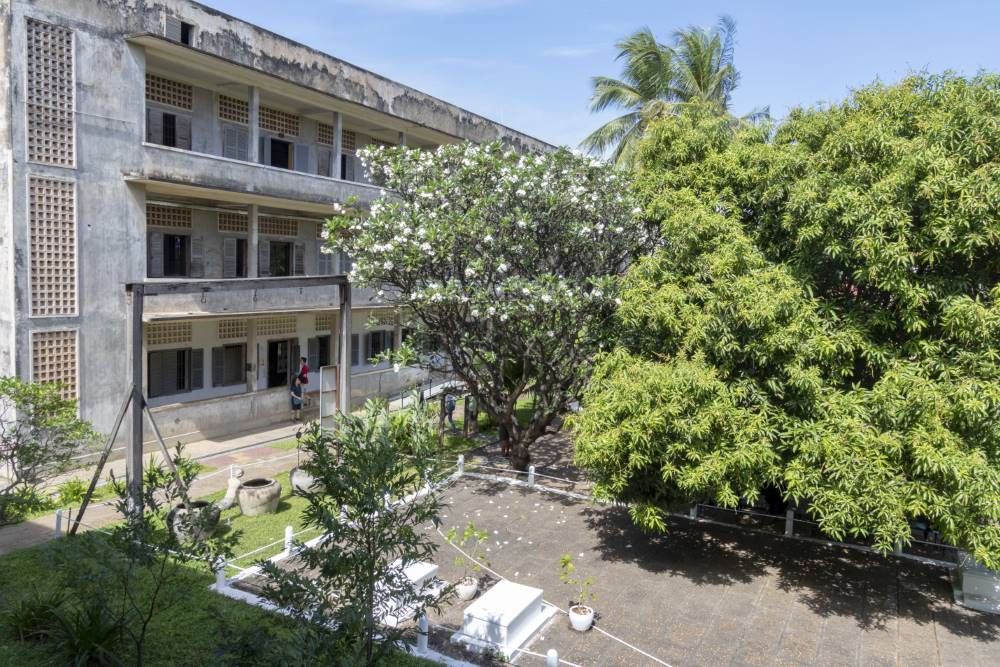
(176, 249)
(168, 128)
(49, 95)
(235, 142)
(324, 162)
(52, 243)
(324, 263)
(229, 365)
(379, 342)
(299, 259)
(234, 253)
(179, 31)
(319, 353)
(355, 350)
(344, 263)
(280, 259)
(170, 372)
(300, 158)
(54, 359)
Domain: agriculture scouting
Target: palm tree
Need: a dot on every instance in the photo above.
(659, 80)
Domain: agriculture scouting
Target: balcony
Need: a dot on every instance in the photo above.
(179, 171)
(256, 299)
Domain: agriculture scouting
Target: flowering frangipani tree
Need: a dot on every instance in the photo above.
(509, 264)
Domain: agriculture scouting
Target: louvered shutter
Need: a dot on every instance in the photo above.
(264, 150)
(218, 366)
(154, 126)
(242, 143)
(368, 347)
(230, 249)
(301, 157)
(154, 254)
(197, 269)
(324, 157)
(295, 352)
(154, 374)
(264, 259)
(299, 266)
(324, 263)
(169, 371)
(172, 28)
(313, 354)
(230, 142)
(184, 132)
(197, 369)
(355, 350)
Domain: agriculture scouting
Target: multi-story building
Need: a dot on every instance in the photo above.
(163, 140)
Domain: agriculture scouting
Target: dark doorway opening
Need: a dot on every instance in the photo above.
(282, 362)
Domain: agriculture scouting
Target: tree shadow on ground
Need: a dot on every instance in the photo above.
(829, 580)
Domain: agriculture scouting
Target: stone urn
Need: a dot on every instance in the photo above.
(197, 522)
(259, 496)
(303, 481)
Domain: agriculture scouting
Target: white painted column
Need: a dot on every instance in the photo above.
(338, 143)
(253, 97)
(251, 370)
(344, 369)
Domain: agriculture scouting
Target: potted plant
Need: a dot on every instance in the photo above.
(471, 542)
(581, 617)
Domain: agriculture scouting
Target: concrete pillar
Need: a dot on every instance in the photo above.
(253, 239)
(133, 454)
(251, 355)
(344, 367)
(402, 138)
(253, 97)
(397, 334)
(789, 522)
(338, 143)
(693, 511)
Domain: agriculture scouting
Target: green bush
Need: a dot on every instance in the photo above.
(32, 617)
(71, 493)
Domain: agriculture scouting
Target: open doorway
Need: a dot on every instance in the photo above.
(282, 362)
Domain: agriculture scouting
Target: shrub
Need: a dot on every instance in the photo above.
(32, 617)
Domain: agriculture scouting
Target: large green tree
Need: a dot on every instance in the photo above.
(659, 80)
(822, 318)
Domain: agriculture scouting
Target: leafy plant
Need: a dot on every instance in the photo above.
(581, 584)
(39, 435)
(356, 575)
(31, 618)
(471, 541)
(87, 634)
(70, 493)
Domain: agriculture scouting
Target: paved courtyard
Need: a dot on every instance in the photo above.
(713, 595)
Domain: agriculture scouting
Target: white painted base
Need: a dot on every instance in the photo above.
(504, 618)
(975, 586)
(423, 577)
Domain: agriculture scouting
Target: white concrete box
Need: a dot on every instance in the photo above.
(505, 617)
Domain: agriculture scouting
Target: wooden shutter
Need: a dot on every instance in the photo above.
(218, 366)
(230, 250)
(197, 269)
(184, 132)
(169, 371)
(300, 157)
(235, 142)
(299, 261)
(154, 126)
(154, 374)
(355, 350)
(264, 258)
(172, 28)
(294, 353)
(324, 157)
(313, 354)
(348, 167)
(243, 143)
(324, 263)
(264, 150)
(154, 254)
(368, 347)
(197, 368)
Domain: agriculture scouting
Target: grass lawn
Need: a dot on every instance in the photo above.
(189, 633)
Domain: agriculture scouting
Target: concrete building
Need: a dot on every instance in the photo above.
(163, 140)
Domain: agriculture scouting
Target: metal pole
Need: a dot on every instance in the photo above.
(133, 455)
(344, 369)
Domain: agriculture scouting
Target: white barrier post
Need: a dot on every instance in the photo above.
(790, 522)
(898, 549)
(531, 475)
(220, 574)
(422, 634)
(552, 658)
(461, 464)
(232, 470)
(58, 523)
(693, 512)
(289, 532)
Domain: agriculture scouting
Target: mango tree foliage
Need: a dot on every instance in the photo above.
(822, 318)
(508, 263)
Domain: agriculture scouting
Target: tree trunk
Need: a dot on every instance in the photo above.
(520, 457)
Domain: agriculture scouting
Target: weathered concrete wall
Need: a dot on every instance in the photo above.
(7, 294)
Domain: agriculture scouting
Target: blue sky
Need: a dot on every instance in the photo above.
(528, 63)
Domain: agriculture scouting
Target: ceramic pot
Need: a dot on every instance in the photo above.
(197, 522)
(303, 481)
(467, 588)
(581, 617)
(259, 496)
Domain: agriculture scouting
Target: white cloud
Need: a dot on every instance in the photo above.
(433, 6)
